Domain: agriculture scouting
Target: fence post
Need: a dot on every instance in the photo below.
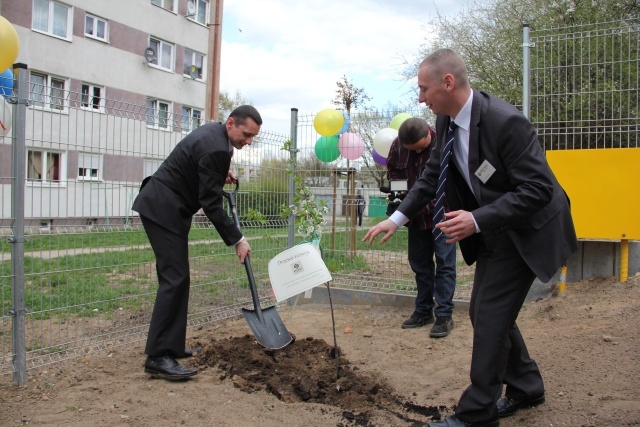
(292, 182)
(526, 66)
(18, 311)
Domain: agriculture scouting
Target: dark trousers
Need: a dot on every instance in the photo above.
(437, 280)
(168, 329)
(501, 283)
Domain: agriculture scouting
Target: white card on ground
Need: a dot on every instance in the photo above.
(296, 270)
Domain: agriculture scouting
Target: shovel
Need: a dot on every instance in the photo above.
(265, 324)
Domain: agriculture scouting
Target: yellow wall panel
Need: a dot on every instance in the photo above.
(603, 187)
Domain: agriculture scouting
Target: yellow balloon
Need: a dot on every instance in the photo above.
(328, 122)
(9, 44)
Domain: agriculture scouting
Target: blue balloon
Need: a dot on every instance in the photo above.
(345, 126)
(6, 83)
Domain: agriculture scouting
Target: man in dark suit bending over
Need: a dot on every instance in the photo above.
(191, 177)
(508, 214)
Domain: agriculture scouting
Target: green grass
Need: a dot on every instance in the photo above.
(99, 281)
(108, 239)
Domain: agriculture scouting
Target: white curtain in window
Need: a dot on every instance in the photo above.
(40, 19)
(60, 15)
(88, 25)
(166, 56)
(57, 94)
(34, 167)
(155, 44)
(186, 118)
(151, 106)
(163, 114)
(188, 57)
(199, 62)
(53, 165)
(36, 87)
(101, 30)
(202, 12)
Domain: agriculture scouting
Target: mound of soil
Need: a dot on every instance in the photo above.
(307, 371)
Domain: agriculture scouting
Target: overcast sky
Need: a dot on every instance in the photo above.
(284, 53)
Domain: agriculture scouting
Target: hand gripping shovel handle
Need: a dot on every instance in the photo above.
(247, 264)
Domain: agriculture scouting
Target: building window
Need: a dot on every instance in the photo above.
(157, 114)
(191, 119)
(53, 18)
(202, 11)
(164, 54)
(96, 28)
(166, 4)
(47, 91)
(43, 166)
(89, 166)
(91, 97)
(193, 59)
(151, 166)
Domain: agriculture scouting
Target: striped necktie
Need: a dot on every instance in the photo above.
(438, 211)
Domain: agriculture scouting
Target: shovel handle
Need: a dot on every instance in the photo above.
(247, 264)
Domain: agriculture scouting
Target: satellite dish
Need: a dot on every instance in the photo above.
(191, 8)
(193, 72)
(150, 55)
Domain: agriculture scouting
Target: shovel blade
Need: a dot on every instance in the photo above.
(271, 333)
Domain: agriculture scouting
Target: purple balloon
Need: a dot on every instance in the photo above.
(382, 161)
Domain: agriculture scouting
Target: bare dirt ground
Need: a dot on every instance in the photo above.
(585, 340)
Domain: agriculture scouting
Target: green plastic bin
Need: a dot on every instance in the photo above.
(377, 206)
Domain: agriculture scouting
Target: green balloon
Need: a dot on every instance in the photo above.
(398, 119)
(327, 148)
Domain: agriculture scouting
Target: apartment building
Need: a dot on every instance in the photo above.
(112, 87)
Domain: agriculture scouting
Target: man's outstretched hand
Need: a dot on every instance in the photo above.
(387, 227)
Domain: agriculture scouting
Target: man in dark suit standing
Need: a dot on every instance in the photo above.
(191, 177)
(509, 215)
(361, 204)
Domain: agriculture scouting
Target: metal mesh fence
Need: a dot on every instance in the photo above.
(584, 85)
(89, 272)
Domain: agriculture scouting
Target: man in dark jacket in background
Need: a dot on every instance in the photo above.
(407, 158)
(191, 177)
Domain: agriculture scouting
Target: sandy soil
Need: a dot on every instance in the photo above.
(585, 341)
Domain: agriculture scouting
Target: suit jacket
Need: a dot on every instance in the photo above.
(190, 178)
(522, 198)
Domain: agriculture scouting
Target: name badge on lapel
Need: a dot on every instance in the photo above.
(485, 171)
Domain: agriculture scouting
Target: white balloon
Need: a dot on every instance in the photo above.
(383, 139)
(5, 117)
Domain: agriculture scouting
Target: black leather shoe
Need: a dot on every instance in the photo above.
(167, 367)
(507, 406)
(188, 352)
(454, 422)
